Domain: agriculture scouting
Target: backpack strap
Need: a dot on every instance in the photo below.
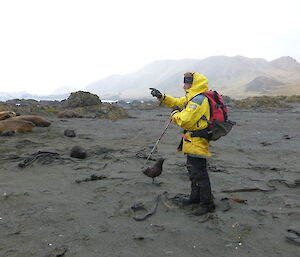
(199, 100)
(205, 133)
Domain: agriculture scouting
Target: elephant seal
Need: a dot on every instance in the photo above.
(68, 114)
(18, 126)
(70, 133)
(6, 115)
(35, 119)
(78, 152)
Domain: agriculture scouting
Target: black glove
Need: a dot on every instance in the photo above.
(155, 93)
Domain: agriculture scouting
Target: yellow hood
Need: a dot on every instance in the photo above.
(200, 85)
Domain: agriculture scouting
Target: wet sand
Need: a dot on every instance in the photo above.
(45, 212)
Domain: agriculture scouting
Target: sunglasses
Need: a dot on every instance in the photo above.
(188, 80)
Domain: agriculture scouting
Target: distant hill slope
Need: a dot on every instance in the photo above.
(263, 84)
(232, 76)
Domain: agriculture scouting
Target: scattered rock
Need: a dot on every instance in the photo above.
(286, 137)
(78, 152)
(8, 133)
(68, 114)
(138, 206)
(223, 206)
(265, 143)
(58, 252)
(70, 133)
(138, 237)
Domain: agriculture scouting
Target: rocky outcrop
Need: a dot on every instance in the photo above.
(261, 102)
(81, 99)
(78, 105)
(103, 111)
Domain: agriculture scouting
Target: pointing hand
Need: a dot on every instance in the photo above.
(155, 93)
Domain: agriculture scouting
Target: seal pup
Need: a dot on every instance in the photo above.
(7, 114)
(35, 119)
(18, 126)
(155, 170)
(78, 152)
(70, 133)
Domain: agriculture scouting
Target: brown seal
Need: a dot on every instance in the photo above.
(6, 115)
(18, 126)
(35, 119)
(68, 114)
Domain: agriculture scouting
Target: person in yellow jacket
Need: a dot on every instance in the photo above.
(191, 112)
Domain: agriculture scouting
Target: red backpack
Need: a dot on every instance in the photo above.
(219, 125)
(218, 109)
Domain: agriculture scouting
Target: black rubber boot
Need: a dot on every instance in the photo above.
(194, 196)
(201, 180)
(203, 209)
(206, 203)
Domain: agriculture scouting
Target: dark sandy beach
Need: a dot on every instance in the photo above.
(46, 212)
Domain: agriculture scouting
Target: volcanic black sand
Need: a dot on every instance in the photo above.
(103, 205)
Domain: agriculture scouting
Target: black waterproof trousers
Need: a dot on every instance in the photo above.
(200, 183)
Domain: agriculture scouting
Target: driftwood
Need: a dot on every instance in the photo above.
(294, 184)
(91, 178)
(246, 190)
(150, 213)
(235, 199)
(293, 240)
(42, 157)
(296, 232)
(169, 207)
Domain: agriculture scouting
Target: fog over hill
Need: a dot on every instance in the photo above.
(4, 96)
(237, 76)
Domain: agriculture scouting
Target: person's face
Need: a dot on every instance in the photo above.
(187, 86)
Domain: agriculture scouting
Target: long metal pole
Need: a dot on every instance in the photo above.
(154, 147)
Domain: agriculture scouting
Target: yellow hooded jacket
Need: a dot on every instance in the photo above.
(193, 106)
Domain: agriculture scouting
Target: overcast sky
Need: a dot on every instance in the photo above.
(47, 44)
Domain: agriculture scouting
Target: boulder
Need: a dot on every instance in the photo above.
(82, 99)
(78, 152)
(70, 133)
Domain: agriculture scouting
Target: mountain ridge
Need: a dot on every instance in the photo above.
(230, 75)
